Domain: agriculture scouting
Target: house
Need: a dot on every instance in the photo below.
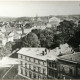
(35, 63)
(69, 66)
(6, 37)
(53, 22)
(39, 23)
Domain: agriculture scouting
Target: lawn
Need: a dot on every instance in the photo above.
(12, 73)
(3, 71)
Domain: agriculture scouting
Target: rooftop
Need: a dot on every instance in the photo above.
(75, 57)
(38, 53)
(54, 19)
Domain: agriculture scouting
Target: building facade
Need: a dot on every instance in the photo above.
(32, 68)
(52, 69)
(36, 66)
(69, 66)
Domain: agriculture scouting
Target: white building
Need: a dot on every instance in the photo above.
(53, 22)
(33, 62)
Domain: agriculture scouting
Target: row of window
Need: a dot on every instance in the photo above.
(52, 64)
(32, 60)
(32, 75)
(34, 68)
(52, 73)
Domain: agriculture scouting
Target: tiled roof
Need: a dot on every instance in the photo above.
(75, 57)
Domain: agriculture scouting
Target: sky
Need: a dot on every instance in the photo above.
(40, 8)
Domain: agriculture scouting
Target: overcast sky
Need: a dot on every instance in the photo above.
(40, 8)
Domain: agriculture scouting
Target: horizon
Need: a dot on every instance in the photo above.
(16, 9)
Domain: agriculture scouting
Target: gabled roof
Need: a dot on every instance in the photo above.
(54, 19)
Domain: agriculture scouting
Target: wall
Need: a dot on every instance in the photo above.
(31, 67)
(67, 69)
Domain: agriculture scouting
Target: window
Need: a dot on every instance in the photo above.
(29, 66)
(55, 65)
(34, 76)
(32, 60)
(41, 63)
(34, 68)
(79, 71)
(36, 61)
(25, 65)
(25, 73)
(27, 58)
(63, 69)
(70, 71)
(39, 76)
(21, 63)
(24, 57)
(44, 71)
(44, 63)
(50, 72)
(50, 64)
(30, 74)
(21, 71)
(20, 56)
(39, 69)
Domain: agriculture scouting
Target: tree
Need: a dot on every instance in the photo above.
(67, 30)
(75, 40)
(8, 46)
(31, 40)
(46, 38)
(37, 32)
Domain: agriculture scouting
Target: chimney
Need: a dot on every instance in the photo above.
(22, 28)
(72, 51)
(46, 51)
(42, 52)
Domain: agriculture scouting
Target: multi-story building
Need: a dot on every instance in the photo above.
(52, 69)
(69, 66)
(35, 63)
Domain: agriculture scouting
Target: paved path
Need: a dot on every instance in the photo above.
(7, 71)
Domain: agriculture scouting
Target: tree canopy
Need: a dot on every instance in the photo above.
(31, 40)
(67, 30)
